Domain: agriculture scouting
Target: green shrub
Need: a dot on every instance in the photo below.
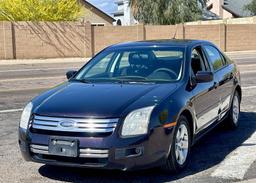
(40, 10)
(251, 7)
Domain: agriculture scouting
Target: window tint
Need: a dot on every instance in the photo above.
(225, 62)
(227, 59)
(197, 63)
(215, 58)
(135, 65)
(100, 67)
(124, 60)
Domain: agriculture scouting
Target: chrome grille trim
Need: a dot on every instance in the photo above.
(93, 153)
(79, 124)
(83, 153)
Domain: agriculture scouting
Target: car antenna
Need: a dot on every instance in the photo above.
(175, 33)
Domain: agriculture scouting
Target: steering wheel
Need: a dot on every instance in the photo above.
(168, 71)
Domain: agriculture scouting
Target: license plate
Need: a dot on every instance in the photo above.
(63, 147)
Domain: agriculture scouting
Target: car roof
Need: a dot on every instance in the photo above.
(159, 43)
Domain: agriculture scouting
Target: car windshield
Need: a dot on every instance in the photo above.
(134, 65)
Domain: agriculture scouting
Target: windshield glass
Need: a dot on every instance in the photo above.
(135, 65)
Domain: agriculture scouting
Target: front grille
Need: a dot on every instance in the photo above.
(83, 153)
(74, 124)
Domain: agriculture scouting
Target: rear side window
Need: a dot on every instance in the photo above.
(215, 58)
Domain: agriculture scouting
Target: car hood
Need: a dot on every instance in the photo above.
(99, 100)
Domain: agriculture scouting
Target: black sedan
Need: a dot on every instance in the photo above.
(134, 105)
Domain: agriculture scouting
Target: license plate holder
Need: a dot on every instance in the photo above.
(63, 147)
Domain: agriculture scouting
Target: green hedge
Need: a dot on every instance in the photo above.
(40, 10)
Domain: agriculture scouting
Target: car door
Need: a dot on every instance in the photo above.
(206, 99)
(224, 72)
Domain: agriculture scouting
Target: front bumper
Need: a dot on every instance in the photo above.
(117, 153)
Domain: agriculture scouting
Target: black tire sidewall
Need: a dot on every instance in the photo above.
(172, 157)
(230, 119)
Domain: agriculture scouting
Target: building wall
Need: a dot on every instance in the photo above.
(213, 33)
(241, 37)
(106, 36)
(218, 10)
(216, 6)
(50, 40)
(163, 32)
(120, 7)
(95, 17)
(127, 19)
(23, 40)
(246, 20)
(121, 18)
(226, 14)
(6, 40)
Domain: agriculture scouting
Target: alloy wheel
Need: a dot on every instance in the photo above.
(236, 109)
(181, 144)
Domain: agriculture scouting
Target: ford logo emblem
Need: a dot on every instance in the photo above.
(67, 124)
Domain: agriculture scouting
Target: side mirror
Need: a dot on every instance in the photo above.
(204, 77)
(70, 74)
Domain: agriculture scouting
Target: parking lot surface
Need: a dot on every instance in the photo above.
(221, 156)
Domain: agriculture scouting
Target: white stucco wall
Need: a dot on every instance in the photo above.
(128, 18)
(218, 10)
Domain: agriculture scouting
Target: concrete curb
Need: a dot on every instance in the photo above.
(43, 61)
(248, 181)
(241, 52)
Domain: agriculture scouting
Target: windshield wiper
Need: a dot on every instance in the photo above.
(137, 78)
(122, 79)
(96, 80)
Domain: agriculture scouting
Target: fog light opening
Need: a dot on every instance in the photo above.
(129, 152)
(138, 150)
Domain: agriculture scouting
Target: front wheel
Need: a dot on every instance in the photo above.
(180, 148)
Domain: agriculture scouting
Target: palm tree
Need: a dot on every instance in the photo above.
(134, 6)
(251, 7)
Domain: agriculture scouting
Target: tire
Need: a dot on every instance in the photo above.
(232, 121)
(174, 162)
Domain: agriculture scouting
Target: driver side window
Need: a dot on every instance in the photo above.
(197, 62)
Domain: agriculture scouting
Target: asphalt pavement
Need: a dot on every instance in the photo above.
(221, 156)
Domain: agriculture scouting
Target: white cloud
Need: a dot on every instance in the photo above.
(103, 5)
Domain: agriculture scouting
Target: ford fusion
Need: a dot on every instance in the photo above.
(134, 105)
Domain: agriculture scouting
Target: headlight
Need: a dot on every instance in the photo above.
(25, 116)
(136, 122)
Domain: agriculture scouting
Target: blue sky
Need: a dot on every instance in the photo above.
(107, 6)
